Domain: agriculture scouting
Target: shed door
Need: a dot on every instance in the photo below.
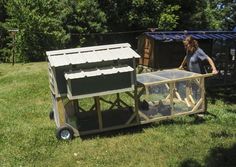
(147, 54)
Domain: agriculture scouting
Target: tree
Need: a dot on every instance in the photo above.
(40, 27)
(4, 52)
(230, 15)
(192, 15)
(140, 14)
(223, 13)
(82, 19)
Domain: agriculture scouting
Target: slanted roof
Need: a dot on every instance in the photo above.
(180, 35)
(97, 72)
(91, 54)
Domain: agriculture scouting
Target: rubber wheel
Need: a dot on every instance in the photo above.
(51, 115)
(64, 133)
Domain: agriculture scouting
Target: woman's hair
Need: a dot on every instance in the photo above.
(190, 44)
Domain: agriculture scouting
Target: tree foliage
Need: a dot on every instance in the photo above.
(140, 14)
(222, 14)
(81, 19)
(55, 24)
(191, 14)
(39, 27)
(3, 32)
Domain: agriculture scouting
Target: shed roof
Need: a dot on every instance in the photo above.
(91, 54)
(180, 35)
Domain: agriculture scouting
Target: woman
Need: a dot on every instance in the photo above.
(195, 57)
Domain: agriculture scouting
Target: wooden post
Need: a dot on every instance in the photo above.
(203, 95)
(98, 109)
(172, 87)
(118, 100)
(13, 34)
(61, 111)
(136, 99)
(76, 105)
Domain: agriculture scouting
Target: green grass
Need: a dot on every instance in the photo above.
(27, 136)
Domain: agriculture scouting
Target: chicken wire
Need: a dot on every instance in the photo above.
(157, 99)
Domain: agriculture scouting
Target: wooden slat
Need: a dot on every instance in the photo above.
(178, 95)
(61, 111)
(187, 102)
(171, 96)
(191, 99)
(131, 118)
(197, 105)
(171, 116)
(202, 91)
(81, 133)
(136, 102)
(143, 115)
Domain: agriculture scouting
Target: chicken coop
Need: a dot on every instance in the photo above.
(78, 75)
(96, 89)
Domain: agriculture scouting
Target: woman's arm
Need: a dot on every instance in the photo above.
(181, 67)
(212, 64)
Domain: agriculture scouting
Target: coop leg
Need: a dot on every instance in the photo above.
(61, 111)
(136, 100)
(203, 94)
(118, 100)
(98, 109)
(76, 104)
(172, 87)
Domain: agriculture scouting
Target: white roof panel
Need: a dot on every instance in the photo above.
(73, 59)
(98, 72)
(85, 49)
(59, 62)
(95, 54)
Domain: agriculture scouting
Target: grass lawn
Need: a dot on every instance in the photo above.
(27, 136)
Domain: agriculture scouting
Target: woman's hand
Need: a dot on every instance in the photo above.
(214, 71)
(181, 67)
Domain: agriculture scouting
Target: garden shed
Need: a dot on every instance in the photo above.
(165, 50)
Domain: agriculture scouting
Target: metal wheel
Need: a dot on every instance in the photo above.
(64, 133)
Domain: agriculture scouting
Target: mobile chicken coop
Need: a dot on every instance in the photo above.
(96, 89)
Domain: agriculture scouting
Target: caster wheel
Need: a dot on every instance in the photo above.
(51, 115)
(64, 133)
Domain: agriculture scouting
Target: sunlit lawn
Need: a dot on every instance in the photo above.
(27, 136)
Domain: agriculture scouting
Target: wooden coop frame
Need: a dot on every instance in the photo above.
(90, 72)
(106, 76)
(173, 96)
(164, 50)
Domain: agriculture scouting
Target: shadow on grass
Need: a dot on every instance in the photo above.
(227, 94)
(231, 111)
(114, 133)
(190, 163)
(191, 120)
(217, 157)
(222, 134)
